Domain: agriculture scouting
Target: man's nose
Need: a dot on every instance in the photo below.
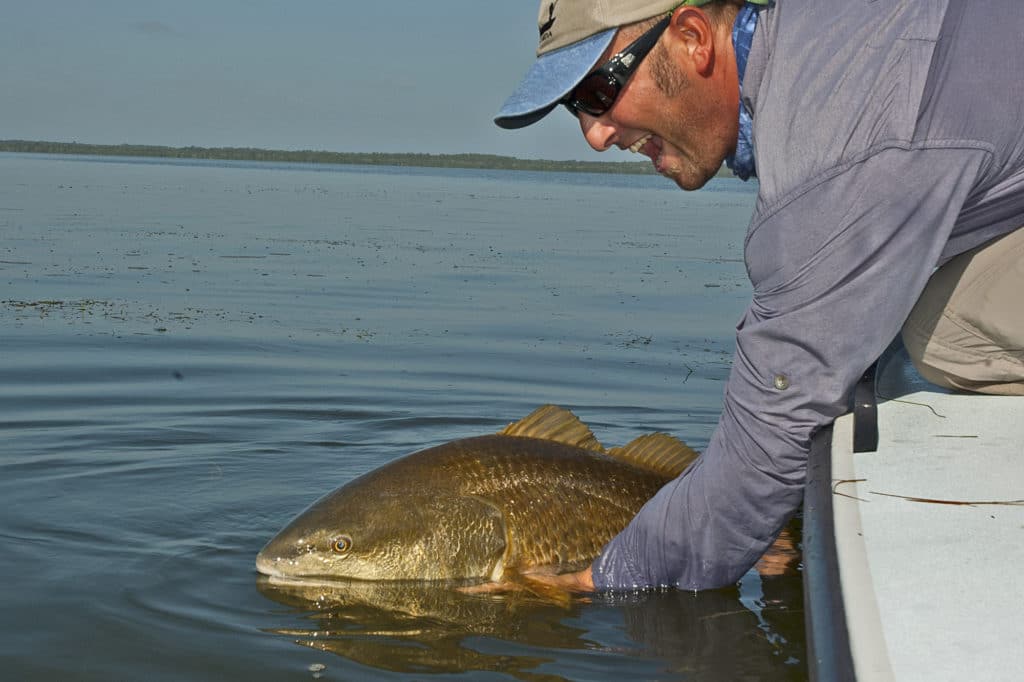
(598, 132)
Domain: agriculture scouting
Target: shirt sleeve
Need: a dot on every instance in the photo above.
(836, 266)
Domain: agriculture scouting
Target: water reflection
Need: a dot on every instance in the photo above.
(421, 627)
(411, 628)
(713, 636)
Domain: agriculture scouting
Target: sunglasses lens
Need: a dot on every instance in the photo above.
(595, 94)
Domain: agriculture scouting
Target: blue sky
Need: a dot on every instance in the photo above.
(400, 76)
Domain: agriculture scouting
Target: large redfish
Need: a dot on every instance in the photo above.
(541, 496)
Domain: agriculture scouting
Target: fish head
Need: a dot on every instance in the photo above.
(370, 532)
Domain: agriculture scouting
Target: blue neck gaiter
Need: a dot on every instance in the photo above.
(741, 163)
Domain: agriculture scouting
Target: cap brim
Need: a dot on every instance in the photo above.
(551, 78)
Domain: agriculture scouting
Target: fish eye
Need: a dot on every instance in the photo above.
(342, 544)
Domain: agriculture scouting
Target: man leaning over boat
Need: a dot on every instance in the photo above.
(887, 141)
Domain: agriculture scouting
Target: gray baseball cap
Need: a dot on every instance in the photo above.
(573, 36)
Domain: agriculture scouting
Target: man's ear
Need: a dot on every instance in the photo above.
(694, 35)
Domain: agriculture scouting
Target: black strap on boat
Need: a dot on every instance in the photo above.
(865, 413)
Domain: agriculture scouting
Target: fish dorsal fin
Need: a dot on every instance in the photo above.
(551, 422)
(659, 452)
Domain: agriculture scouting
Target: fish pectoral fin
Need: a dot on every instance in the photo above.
(658, 452)
(551, 422)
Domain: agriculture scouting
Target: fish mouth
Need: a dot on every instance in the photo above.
(281, 580)
(285, 570)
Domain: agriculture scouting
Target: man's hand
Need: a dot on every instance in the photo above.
(782, 558)
(581, 581)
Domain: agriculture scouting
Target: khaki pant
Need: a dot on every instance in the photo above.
(966, 331)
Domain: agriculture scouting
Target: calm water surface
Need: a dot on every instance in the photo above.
(193, 352)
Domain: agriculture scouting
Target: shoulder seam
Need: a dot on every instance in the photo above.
(830, 173)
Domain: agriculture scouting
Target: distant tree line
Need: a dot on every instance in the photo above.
(492, 161)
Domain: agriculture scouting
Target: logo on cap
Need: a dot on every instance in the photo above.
(546, 26)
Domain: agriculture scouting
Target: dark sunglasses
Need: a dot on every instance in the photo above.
(596, 93)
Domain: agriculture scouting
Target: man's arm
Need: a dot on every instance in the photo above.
(836, 269)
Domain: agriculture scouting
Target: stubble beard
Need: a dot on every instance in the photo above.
(672, 84)
(666, 76)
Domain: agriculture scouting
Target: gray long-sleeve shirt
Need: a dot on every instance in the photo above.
(889, 136)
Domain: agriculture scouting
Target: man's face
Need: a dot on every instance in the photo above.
(673, 110)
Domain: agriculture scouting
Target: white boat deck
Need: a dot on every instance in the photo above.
(932, 591)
